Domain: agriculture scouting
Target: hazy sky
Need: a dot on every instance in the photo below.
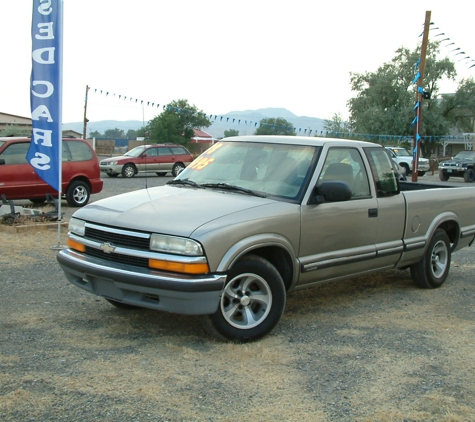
(223, 56)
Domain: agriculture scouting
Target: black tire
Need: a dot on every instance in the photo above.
(421, 173)
(128, 171)
(469, 175)
(112, 174)
(38, 200)
(252, 302)
(177, 167)
(161, 173)
(121, 305)
(443, 175)
(434, 267)
(78, 193)
(408, 170)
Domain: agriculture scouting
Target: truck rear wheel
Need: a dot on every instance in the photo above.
(252, 302)
(433, 269)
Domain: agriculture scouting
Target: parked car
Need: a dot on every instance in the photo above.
(158, 158)
(462, 165)
(403, 158)
(80, 172)
(256, 217)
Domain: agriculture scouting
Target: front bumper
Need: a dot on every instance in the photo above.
(145, 288)
(110, 169)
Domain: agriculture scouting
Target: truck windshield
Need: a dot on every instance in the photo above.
(279, 170)
(400, 152)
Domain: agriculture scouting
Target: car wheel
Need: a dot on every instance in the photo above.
(37, 200)
(177, 168)
(432, 270)
(161, 173)
(421, 173)
(121, 305)
(252, 302)
(408, 170)
(112, 174)
(128, 171)
(78, 194)
(443, 175)
(469, 175)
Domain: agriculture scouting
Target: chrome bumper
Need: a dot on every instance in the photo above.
(145, 288)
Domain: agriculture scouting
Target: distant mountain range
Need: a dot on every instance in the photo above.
(246, 122)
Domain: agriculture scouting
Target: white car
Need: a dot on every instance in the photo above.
(402, 157)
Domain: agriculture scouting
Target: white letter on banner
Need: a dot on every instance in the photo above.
(45, 28)
(42, 135)
(49, 89)
(41, 162)
(41, 111)
(45, 7)
(39, 52)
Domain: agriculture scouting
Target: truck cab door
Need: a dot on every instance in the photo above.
(338, 238)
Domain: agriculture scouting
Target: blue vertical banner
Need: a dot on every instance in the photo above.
(46, 90)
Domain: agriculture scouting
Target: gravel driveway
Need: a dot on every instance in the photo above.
(373, 348)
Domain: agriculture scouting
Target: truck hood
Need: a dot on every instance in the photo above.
(455, 162)
(168, 209)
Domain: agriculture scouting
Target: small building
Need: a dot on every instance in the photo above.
(201, 141)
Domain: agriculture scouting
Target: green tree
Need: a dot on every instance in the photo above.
(385, 99)
(459, 109)
(231, 132)
(275, 126)
(15, 130)
(141, 133)
(131, 134)
(336, 125)
(114, 134)
(176, 123)
(96, 134)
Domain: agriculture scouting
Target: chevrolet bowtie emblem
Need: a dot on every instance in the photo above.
(107, 247)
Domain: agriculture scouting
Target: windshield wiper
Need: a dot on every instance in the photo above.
(184, 182)
(232, 187)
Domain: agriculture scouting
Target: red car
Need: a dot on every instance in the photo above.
(81, 175)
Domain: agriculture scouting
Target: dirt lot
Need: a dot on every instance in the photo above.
(368, 349)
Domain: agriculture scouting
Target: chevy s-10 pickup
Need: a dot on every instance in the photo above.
(256, 217)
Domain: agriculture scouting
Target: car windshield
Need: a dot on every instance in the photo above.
(400, 152)
(466, 155)
(135, 152)
(278, 170)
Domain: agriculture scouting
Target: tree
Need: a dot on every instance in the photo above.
(15, 130)
(131, 134)
(96, 134)
(459, 109)
(231, 132)
(336, 125)
(114, 134)
(275, 126)
(176, 123)
(385, 99)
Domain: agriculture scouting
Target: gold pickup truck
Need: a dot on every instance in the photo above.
(257, 217)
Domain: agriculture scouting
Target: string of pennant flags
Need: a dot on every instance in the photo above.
(283, 128)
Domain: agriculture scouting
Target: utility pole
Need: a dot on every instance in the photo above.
(85, 118)
(419, 96)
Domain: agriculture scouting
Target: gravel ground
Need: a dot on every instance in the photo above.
(373, 348)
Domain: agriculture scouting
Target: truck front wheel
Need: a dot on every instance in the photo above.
(443, 175)
(252, 302)
(469, 175)
(433, 269)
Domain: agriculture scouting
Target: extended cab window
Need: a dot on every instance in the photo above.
(346, 164)
(383, 172)
(16, 153)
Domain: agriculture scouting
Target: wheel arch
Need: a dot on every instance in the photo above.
(79, 178)
(276, 249)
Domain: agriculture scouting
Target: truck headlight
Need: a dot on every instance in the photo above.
(176, 245)
(77, 226)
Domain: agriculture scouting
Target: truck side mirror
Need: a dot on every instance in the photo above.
(331, 191)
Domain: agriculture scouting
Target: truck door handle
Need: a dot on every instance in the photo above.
(372, 212)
